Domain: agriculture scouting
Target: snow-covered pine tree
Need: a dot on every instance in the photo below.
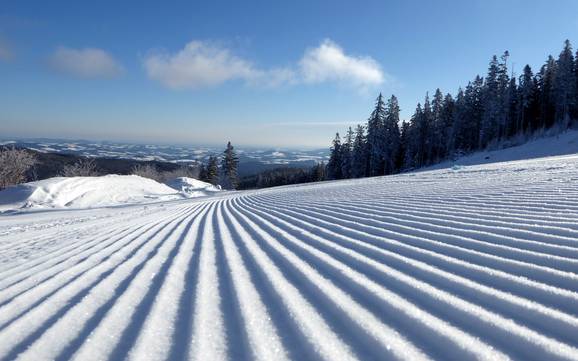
(229, 165)
(460, 114)
(437, 127)
(503, 96)
(545, 80)
(492, 107)
(212, 170)
(575, 112)
(347, 155)
(318, 172)
(403, 145)
(391, 136)
(446, 118)
(375, 137)
(414, 149)
(527, 99)
(564, 86)
(360, 156)
(334, 163)
(513, 108)
(425, 132)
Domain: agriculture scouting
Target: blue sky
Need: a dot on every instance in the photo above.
(254, 72)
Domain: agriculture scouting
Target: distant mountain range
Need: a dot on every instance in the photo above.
(251, 160)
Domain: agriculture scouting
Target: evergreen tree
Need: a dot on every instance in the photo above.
(391, 136)
(318, 172)
(437, 127)
(347, 155)
(425, 133)
(513, 108)
(492, 107)
(503, 96)
(527, 100)
(375, 138)
(334, 163)
(446, 119)
(229, 164)
(360, 154)
(575, 113)
(403, 146)
(203, 173)
(564, 87)
(212, 171)
(415, 146)
(459, 130)
(545, 80)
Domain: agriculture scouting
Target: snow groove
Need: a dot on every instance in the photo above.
(476, 263)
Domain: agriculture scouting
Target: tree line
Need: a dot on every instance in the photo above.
(490, 110)
(283, 176)
(222, 171)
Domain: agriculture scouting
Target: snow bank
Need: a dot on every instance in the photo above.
(549, 146)
(192, 187)
(91, 192)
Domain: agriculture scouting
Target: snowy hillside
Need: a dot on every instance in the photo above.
(565, 143)
(104, 191)
(472, 262)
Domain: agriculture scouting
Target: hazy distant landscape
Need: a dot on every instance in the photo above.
(251, 160)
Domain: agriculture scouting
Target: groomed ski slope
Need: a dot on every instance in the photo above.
(463, 263)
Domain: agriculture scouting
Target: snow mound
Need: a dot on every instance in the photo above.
(86, 192)
(191, 187)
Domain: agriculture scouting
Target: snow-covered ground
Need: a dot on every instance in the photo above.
(93, 192)
(467, 262)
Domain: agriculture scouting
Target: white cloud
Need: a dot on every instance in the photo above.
(203, 64)
(328, 62)
(198, 65)
(85, 63)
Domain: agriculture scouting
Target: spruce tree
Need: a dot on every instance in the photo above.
(503, 97)
(545, 80)
(513, 108)
(415, 145)
(360, 154)
(229, 165)
(425, 132)
(212, 170)
(347, 155)
(318, 172)
(334, 163)
(375, 137)
(564, 87)
(527, 100)
(437, 127)
(403, 145)
(575, 112)
(446, 118)
(492, 107)
(391, 136)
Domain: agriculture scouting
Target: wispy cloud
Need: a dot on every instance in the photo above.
(328, 62)
(85, 63)
(197, 65)
(204, 64)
